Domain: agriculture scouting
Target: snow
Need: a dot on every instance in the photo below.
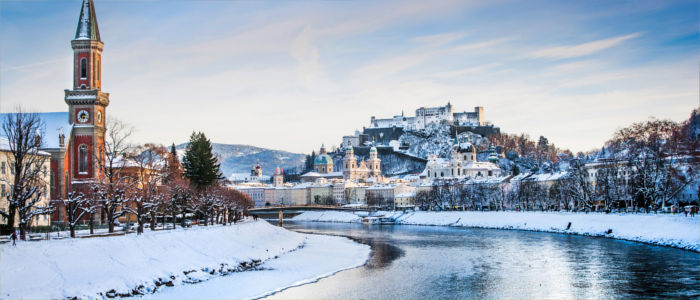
(87, 268)
(293, 269)
(659, 229)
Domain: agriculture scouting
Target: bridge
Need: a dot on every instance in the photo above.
(288, 211)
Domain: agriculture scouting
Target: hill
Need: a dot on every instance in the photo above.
(240, 158)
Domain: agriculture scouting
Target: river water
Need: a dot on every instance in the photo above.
(447, 262)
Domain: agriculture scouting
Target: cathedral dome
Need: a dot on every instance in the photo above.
(323, 159)
(373, 149)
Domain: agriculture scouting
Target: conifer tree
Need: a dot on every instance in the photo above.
(200, 164)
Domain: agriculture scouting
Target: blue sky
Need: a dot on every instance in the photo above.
(295, 74)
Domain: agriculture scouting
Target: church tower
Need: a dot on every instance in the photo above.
(349, 163)
(374, 162)
(86, 101)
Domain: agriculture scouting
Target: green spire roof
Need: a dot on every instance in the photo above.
(87, 23)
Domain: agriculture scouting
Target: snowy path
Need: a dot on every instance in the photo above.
(120, 265)
(321, 256)
(667, 230)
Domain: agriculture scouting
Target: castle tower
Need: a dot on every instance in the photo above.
(86, 101)
(349, 162)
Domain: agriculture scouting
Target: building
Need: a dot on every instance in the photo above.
(7, 176)
(432, 115)
(462, 163)
(256, 193)
(405, 200)
(321, 192)
(365, 169)
(383, 195)
(300, 194)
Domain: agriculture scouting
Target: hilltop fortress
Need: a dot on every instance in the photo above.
(432, 115)
(383, 131)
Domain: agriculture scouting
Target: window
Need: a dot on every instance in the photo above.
(83, 68)
(2, 190)
(82, 159)
(2, 168)
(98, 70)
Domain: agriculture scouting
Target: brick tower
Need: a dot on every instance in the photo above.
(87, 103)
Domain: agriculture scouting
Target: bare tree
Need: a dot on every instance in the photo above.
(28, 167)
(77, 205)
(151, 166)
(578, 187)
(113, 183)
(652, 149)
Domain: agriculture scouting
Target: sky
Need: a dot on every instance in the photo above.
(293, 75)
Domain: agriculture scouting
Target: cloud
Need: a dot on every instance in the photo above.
(306, 53)
(584, 49)
(466, 71)
(480, 45)
(437, 40)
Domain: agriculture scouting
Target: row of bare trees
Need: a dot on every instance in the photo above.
(148, 182)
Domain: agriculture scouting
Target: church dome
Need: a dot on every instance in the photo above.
(323, 159)
(373, 149)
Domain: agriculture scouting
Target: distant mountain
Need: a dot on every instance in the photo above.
(240, 158)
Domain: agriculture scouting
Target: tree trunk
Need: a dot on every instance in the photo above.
(153, 221)
(110, 220)
(92, 223)
(22, 231)
(72, 230)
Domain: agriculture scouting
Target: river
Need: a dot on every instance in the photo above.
(447, 262)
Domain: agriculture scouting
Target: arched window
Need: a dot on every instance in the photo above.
(82, 159)
(98, 70)
(83, 68)
(442, 174)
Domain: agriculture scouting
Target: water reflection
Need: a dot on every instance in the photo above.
(443, 262)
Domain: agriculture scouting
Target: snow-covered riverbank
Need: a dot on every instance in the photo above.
(124, 265)
(667, 230)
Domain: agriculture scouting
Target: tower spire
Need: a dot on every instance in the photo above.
(87, 23)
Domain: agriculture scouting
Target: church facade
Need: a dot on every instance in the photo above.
(462, 163)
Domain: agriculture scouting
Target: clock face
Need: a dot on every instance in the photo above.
(99, 117)
(83, 116)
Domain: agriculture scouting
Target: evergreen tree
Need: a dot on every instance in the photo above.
(173, 153)
(200, 164)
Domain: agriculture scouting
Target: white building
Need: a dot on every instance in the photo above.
(461, 164)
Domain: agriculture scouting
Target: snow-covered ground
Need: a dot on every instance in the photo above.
(122, 264)
(668, 230)
(321, 256)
